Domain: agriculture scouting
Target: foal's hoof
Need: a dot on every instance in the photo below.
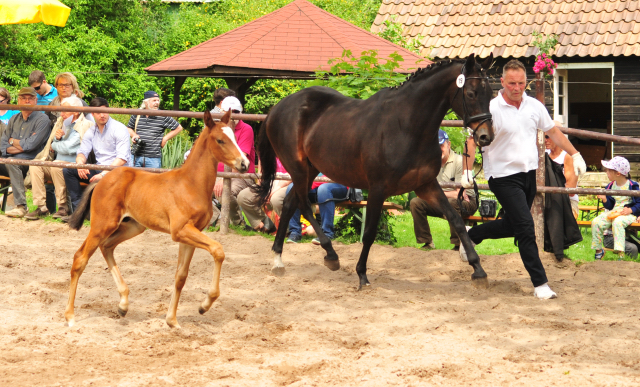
(202, 310)
(481, 282)
(122, 312)
(278, 271)
(332, 264)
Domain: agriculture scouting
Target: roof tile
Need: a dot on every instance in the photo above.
(504, 27)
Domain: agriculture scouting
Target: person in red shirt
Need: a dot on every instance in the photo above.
(245, 140)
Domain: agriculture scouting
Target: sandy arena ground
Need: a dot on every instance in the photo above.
(421, 323)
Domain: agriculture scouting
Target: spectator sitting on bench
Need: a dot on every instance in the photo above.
(44, 92)
(247, 200)
(450, 171)
(325, 194)
(62, 146)
(67, 86)
(5, 115)
(630, 245)
(24, 138)
(622, 210)
(109, 141)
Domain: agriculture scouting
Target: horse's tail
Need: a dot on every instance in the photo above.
(81, 213)
(268, 165)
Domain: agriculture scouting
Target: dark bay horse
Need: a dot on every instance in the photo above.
(387, 144)
(127, 201)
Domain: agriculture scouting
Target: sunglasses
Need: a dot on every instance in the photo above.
(547, 137)
(38, 87)
(2, 101)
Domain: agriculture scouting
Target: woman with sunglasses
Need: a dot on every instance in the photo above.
(5, 99)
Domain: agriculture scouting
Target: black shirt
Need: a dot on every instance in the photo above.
(151, 130)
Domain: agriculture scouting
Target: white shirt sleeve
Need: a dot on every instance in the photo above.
(545, 123)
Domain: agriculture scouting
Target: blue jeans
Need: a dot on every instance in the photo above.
(327, 208)
(149, 162)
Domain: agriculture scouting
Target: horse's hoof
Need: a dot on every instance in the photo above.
(122, 312)
(332, 264)
(278, 271)
(480, 282)
(202, 310)
(71, 323)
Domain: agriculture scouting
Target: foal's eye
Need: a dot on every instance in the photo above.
(220, 142)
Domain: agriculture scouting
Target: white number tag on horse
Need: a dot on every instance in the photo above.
(460, 81)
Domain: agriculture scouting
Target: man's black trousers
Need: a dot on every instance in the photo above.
(515, 194)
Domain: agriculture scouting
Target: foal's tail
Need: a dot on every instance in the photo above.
(81, 213)
(268, 165)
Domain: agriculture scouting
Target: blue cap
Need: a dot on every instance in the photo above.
(151, 94)
(442, 136)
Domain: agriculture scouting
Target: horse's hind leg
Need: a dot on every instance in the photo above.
(331, 260)
(184, 260)
(127, 230)
(433, 194)
(80, 260)
(288, 209)
(190, 237)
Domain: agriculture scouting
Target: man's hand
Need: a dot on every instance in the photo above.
(217, 189)
(602, 197)
(95, 178)
(59, 134)
(579, 166)
(83, 173)
(164, 141)
(467, 179)
(625, 211)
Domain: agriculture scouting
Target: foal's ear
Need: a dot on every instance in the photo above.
(487, 62)
(208, 120)
(471, 63)
(227, 116)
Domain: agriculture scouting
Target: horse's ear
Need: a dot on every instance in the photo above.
(227, 116)
(471, 63)
(208, 120)
(487, 62)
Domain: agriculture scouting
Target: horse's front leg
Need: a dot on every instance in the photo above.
(288, 209)
(80, 260)
(190, 238)
(432, 193)
(374, 211)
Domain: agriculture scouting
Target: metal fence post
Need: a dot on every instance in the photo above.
(226, 203)
(537, 210)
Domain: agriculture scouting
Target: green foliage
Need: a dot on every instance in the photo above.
(348, 228)
(174, 150)
(360, 77)
(393, 32)
(544, 43)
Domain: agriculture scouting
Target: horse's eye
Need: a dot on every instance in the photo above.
(471, 94)
(220, 142)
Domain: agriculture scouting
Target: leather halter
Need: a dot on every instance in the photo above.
(482, 117)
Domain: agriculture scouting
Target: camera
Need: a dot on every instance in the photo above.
(137, 146)
(488, 208)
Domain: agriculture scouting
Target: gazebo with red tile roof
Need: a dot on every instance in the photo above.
(289, 43)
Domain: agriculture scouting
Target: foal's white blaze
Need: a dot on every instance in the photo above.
(229, 132)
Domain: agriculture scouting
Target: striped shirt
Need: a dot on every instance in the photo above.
(151, 130)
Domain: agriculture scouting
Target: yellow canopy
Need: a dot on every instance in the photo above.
(51, 12)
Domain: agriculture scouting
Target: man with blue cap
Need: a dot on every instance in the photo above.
(147, 133)
(450, 171)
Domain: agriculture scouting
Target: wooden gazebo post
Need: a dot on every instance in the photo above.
(537, 210)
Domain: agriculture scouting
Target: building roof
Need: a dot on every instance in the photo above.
(296, 39)
(457, 28)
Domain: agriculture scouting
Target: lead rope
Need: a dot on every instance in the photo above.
(475, 185)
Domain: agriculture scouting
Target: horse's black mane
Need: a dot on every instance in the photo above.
(428, 70)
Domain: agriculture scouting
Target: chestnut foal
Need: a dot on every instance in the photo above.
(127, 201)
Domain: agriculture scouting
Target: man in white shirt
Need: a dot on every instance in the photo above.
(510, 164)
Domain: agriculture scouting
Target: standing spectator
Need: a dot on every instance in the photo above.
(63, 144)
(67, 85)
(218, 96)
(109, 141)
(5, 99)
(562, 157)
(244, 138)
(450, 171)
(46, 93)
(325, 194)
(24, 138)
(510, 164)
(148, 133)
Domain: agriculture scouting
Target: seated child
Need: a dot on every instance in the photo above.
(622, 210)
